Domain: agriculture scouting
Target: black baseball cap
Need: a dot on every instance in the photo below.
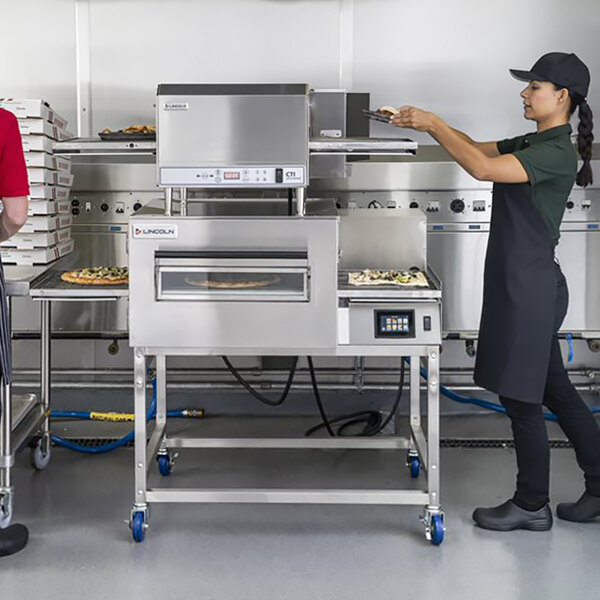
(565, 70)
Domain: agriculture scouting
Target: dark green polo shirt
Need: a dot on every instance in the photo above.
(550, 162)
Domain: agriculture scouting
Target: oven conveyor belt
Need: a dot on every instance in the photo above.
(393, 292)
(50, 285)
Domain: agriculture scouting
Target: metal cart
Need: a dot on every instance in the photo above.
(313, 311)
(25, 419)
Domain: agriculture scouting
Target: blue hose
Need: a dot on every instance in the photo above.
(85, 415)
(111, 445)
(485, 403)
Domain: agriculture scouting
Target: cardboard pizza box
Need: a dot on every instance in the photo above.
(33, 108)
(48, 192)
(48, 207)
(35, 256)
(66, 247)
(40, 175)
(47, 176)
(38, 127)
(47, 223)
(37, 143)
(47, 161)
(27, 241)
(23, 109)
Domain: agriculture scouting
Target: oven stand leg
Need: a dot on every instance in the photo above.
(138, 521)
(161, 390)
(433, 518)
(7, 458)
(45, 359)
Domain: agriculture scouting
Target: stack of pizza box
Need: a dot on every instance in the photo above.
(47, 234)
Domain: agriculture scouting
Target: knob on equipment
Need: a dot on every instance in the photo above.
(457, 206)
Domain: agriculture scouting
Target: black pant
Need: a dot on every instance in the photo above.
(574, 417)
(531, 437)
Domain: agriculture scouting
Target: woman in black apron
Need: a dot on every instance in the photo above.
(525, 295)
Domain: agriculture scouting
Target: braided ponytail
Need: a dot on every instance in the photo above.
(585, 137)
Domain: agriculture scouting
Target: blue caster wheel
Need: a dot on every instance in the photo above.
(137, 527)
(415, 467)
(164, 464)
(437, 529)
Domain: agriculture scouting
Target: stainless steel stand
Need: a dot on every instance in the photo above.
(423, 451)
(25, 421)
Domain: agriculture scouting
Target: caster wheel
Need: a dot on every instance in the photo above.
(6, 512)
(138, 530)
(437, 529)
(39, 457)
(415, 467)
(164, 464)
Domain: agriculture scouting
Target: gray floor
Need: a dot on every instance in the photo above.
(80, 546)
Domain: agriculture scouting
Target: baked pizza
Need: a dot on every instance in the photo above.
(412, 278)
(133, 129)
(97, 276)
(230, 283)
(387, 111)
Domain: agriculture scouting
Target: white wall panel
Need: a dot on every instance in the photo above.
(37, 53)
(139, 43)
(453, 56)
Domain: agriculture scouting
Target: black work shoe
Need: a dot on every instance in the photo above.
(509, 516)
(587, 508)
(13, 539)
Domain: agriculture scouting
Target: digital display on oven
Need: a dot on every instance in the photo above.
(394, 323)
(231, 175)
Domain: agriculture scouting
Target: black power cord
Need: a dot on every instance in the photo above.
(258, 395)
(374, 423)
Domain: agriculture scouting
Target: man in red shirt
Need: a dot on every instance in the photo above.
(14, 192)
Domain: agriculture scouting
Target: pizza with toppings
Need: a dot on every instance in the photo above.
(97, 276)
(229, 283)
(412, 278)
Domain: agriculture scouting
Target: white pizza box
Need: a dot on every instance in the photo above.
(48, 192)
(27, 241)
(23, 109)
(36, 256)
(47, 161)
(64, 179)
(33, 108)
(47, 176)
(48, 207)
(37, 143)
(41, 175)
(38, 127)
(47, 223)
(64, 134)
(41, 127)
(38, 239)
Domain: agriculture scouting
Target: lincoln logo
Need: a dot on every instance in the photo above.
(159, 230)
(155, 231)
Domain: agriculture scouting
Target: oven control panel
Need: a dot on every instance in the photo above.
(394, 323)
(245, 176)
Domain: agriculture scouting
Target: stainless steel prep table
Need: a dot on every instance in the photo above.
(24, 418)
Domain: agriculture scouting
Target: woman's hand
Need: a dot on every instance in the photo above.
(410, 117)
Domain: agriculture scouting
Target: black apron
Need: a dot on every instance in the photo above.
(5, 334)
(518, 317)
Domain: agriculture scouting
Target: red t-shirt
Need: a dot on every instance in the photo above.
(13, 172)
